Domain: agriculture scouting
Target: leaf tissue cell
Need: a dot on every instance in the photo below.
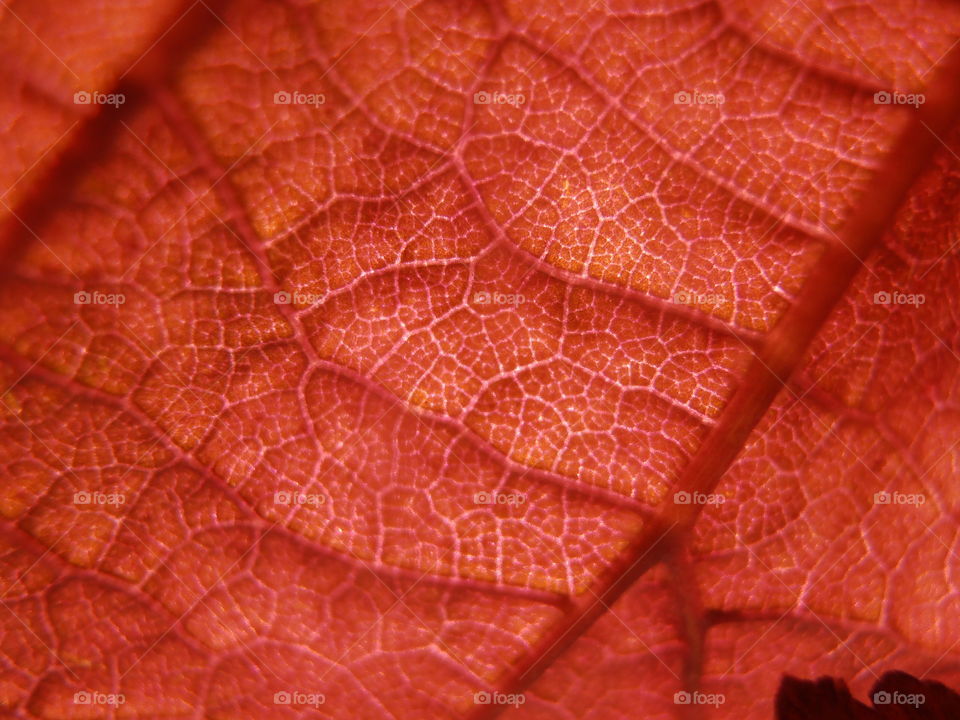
(474, 359)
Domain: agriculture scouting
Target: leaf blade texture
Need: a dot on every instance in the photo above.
(440, 325)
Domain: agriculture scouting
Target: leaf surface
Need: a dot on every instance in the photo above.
(399, 301)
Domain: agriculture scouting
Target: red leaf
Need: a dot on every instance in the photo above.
(367, 361)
